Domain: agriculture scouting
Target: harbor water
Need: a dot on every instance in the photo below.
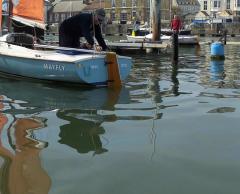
(171, 129)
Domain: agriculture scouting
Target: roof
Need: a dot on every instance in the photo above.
(202, 14)
(225, 13)
(187, 2)
(205, 13)
(69, 6)
(96, 4)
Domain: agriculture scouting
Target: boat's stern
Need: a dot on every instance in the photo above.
(124, 65)
(95, 70)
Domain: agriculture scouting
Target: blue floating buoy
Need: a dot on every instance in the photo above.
(217, 51)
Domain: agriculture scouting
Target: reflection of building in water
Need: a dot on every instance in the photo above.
(82, 134)
(21, 169)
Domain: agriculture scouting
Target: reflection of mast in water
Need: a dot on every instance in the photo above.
(154, 91)
(21, 169)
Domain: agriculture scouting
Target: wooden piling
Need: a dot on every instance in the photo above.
(156, 19)
(175, 46)
(225, 37)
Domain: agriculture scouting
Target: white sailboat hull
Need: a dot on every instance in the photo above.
(183, 39)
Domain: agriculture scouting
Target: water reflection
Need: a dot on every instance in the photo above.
(217, 71)
(81, 110)
(174, 78)
(172, 116)
(33, 97)
(84, 126)
(81, 134)
(21, 169)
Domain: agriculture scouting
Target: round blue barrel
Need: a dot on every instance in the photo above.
(217, 49)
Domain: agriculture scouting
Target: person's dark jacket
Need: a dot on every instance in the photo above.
(81, 25)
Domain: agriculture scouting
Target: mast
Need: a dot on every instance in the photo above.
(170, 8)
(151, 15)
(156, 19)
(10, 11)
(1, 17)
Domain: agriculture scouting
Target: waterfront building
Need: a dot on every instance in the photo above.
(64, 9)
(227, 10)
(187, 9)
(216, 15)
(126, 11)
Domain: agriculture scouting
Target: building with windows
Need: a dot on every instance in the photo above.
(58, 12)
(187, 9)
(226, 10)
(217, 15)
(125, 11)
(214, 7)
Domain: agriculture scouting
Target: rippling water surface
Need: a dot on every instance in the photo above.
(172, 128)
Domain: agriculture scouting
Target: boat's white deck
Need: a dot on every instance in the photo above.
(18, 51)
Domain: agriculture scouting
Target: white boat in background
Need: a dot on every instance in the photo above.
(183, 39)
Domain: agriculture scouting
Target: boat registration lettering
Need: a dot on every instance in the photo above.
(53, 67)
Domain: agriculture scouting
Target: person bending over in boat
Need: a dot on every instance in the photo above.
(176, 24)
(85, 25)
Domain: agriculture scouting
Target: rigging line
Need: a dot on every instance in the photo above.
(93, 24)
(153, 133)
(106, 140)
(70, 4)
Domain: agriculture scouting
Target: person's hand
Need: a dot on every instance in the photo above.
(88, 46)
(98, 48)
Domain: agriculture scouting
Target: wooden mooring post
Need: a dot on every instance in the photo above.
(225, 37)
(175, 46)
(156, 19)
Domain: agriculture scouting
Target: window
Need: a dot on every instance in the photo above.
(134, 3)
(113, 16)
(50, 18)
(238, 3)
(113, 3)
(123, 16)
(216, 4)
(56, 17)
(205, 5)
(124, 4)
(134, 13)
(63, 17)
(228, 4)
